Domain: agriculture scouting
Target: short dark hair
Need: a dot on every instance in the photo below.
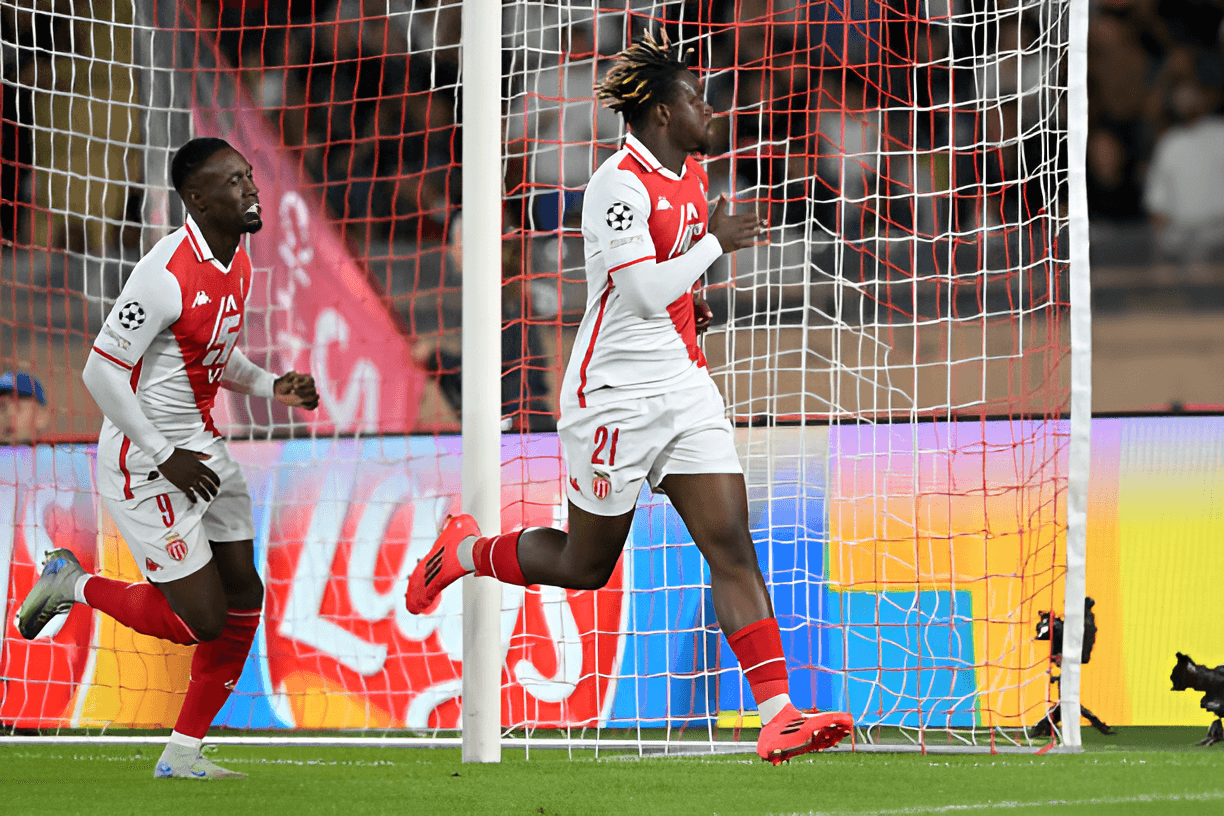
(644, 76)
(189, 157)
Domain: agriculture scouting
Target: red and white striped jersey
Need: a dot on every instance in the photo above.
(636, 210)
(172, 329)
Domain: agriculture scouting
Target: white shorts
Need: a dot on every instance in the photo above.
(612, 447)
(168, 535)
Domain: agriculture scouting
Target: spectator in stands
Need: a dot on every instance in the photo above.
(1185, 184)
(525, 401)
(24, 415)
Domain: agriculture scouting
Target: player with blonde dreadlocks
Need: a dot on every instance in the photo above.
(638, 403)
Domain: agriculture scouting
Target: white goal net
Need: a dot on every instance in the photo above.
(898, 359)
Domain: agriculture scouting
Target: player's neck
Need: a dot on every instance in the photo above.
(223, 246)
(663, 149)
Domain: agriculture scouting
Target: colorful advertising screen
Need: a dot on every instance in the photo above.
(341, 523)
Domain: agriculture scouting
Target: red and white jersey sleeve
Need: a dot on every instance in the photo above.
(636, 211)
(171, 332)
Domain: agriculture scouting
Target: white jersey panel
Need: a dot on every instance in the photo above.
(616, 349)
(138, 336)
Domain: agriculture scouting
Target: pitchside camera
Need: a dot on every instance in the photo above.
(1050, 627)
(1189, 675)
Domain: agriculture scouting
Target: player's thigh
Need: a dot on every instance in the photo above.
(229, 525)
(164, 532)
(714, 507)
(165, 535)
(700, 472)
(608, 453)
(596, 541)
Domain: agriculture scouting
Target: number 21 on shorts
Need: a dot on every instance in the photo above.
(602, 439)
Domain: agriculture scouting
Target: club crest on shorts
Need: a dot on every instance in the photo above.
(601, 485)
(177, 549)
(151, 565)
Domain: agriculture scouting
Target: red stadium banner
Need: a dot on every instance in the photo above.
(318, 311)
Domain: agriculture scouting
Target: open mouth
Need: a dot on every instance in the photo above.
(254, 209)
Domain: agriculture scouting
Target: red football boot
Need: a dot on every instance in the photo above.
(794, 732)
(440, 568)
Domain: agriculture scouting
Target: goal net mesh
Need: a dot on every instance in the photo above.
(895, 358)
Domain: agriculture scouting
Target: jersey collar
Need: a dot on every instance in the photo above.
(647, 159)
(200, 247)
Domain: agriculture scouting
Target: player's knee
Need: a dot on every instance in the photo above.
(246, 594)
(593, 576)
(731, 548)
(208, 625)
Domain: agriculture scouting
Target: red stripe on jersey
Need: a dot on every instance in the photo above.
(127, 443)
(114, 360)
(630, 263)
(194, 244)
(582, 372)
(642, 159)
(681, 312)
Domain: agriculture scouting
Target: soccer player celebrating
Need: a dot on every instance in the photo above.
(174, 492)
(638, 403)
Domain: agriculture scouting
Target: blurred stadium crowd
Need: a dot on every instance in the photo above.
(842, 132)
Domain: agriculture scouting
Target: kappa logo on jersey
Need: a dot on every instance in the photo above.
(619, 217)
(201, 298)
(151, 565)
(177, 549)
(131, 315)
(663, 204)
(601, 485)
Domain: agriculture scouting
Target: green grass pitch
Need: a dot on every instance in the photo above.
(1148, 771)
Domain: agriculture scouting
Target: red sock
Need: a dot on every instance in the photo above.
(215, 668)
(758, 647)
(141, 607)
(497, 556)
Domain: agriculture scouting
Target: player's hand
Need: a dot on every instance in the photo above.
(185, 470)
(702, 313)
(296, 390)
(735, 231)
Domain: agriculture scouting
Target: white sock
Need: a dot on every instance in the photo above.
(772, 707)
(78, 589)
(466, 553)
(183, 741)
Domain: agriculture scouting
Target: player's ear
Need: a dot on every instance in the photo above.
(193, 198)
(662, 114)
